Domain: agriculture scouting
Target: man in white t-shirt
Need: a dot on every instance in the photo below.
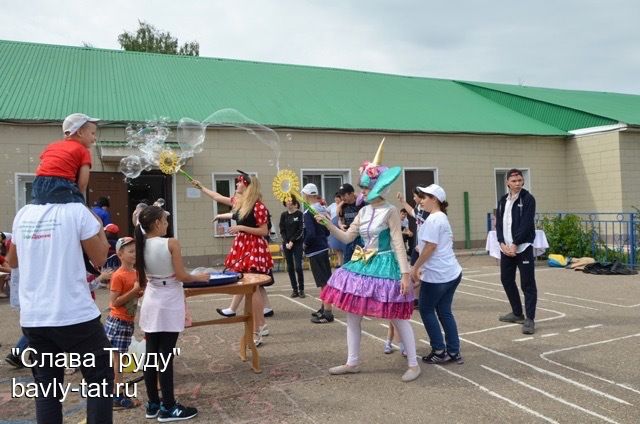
(57, 313)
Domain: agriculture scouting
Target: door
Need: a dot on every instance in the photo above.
(412, 179)
(147, 188)
(112, 186)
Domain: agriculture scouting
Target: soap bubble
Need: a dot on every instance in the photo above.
(233, 118)
(131, 166)
(190, 136)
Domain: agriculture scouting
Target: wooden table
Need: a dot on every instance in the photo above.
(247, 286)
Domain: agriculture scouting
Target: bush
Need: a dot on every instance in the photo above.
(567, 236)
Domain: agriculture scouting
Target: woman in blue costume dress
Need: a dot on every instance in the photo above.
(375, 282)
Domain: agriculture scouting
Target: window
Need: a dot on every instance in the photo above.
(501, 181)
(328, 181)
(226, 186)
(24, 187)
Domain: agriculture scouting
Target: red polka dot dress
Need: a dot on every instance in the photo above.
(250, 253)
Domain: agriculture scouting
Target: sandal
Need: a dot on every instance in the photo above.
(123, 402)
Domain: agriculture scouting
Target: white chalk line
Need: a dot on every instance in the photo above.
(593, 301)
(550, 396)
(539, 298)
(500, 354)
(550, 373)
(497, 395)
(493, 274)
(597, 377)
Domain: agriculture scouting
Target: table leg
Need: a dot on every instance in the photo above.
(247, 339)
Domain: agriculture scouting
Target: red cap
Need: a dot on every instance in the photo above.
(112, 228)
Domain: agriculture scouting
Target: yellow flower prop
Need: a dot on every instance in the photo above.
(170, 164)
(286, 185)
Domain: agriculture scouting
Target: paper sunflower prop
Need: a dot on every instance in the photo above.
(286, 185)
(169, 164)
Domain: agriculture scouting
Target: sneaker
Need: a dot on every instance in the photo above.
(435, 358)
(263, 330)
(152, 411)
(14, 360)
(456, 357)
(226, 312)
(267, 312)
(387, 347)
(511, 317)
(177, 413)
(324, 318)
(318, 312)
(529, 326)
(344, 369)
(294, 294)
(302, 295)
(411, 374)
(257, 339)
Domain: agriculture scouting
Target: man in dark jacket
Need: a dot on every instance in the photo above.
(316, 248)
(516, 231)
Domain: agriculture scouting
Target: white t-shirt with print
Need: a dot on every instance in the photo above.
(53, 280)
(442, 266)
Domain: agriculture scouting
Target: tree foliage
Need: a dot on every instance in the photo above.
(150, 39)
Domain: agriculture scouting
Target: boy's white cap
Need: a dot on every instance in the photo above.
(73, 122)
(310, 189)
(435, 190)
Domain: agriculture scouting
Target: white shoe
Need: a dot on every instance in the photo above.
(387, 347)
(257, 339)
(263, 330)
(344, 369)
(411, 374)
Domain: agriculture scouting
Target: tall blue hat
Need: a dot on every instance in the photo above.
(377, 177)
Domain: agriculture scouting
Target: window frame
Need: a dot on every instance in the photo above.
(344, 172)
(20, 180)
(526, 174)
(230, 177)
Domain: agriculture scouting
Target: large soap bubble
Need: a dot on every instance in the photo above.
(190, 136)
(131, 166)
(233, 118)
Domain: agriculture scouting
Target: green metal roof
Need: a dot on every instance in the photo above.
(41, 82)
(613, 107)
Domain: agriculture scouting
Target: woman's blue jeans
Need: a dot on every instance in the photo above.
(435, 310)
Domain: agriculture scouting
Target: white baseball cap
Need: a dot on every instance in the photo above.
(436, 191)
(74, 122)
(310, 189)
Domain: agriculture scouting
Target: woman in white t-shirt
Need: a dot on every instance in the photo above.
(440, 273)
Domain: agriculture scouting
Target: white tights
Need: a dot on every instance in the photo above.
(354, 330)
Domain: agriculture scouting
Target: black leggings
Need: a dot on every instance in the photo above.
(161, 343)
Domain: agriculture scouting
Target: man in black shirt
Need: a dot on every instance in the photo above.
(346, 214)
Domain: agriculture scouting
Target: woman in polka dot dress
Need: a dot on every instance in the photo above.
(250, 250)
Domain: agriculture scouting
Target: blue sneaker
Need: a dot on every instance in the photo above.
(177, 413)
(153, 409)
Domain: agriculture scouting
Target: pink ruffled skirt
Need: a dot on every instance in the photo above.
(367, 295)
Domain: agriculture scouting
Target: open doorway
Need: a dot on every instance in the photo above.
(124, 196)
(149, 187)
